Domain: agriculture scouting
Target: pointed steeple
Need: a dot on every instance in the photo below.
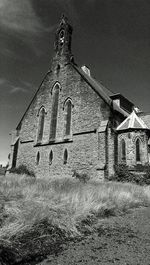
(63, 37)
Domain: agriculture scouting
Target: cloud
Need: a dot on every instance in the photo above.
(18, 15)
(23, 87)
(4, 84)
(91, 1)
(68, 7)
(21, 25)
(2, 81)
(16, 89)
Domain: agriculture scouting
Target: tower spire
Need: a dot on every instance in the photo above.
(63, 38)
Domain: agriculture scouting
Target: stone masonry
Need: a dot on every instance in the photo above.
(93, 144)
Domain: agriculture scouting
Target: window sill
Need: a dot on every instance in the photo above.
(54, 142)
(26, 141)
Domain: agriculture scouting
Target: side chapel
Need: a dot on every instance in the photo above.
(75, 123)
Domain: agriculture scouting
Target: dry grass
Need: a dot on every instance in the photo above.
(37, 215)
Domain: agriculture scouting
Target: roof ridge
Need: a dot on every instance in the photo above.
(94, 84)
(106, 87)
(98, 88)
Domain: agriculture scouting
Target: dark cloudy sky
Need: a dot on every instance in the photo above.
(112, 37)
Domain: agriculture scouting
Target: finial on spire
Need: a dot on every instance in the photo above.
(63, 18)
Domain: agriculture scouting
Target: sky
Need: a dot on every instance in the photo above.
(111, 37)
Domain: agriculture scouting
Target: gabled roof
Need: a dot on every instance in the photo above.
(94, 84)
(101, 90)
(132, 122)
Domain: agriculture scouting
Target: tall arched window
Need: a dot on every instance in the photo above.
(123, 150)
(54, 112)
(41, 115)
(68, 116)
(138, 156)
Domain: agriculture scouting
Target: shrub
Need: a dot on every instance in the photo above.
(123, 174)
(81, 177)
(22, 169)
(146, 176)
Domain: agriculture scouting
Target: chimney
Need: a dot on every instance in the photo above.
(86, 70)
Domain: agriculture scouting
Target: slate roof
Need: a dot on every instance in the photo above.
(106, 90)
(132, 122)
(145, 117)
(103, 92)
(2, 170)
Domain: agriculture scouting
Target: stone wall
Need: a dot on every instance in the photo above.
(88, 111)
(82, 157)
(130, 139)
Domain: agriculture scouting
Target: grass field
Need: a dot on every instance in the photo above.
(37, 216)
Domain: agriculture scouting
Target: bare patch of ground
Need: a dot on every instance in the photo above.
(117, 240)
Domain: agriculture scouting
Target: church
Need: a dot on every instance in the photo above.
(74, 123)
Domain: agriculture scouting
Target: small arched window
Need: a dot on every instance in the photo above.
(37, 158)
(41, 115)
(57, 69)
(68, 118)
(54, 112)
(50, 157)
(65, 156)
(138, 156)
(123, 150)
(61, 37)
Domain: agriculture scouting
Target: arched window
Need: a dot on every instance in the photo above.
(123, 150)
(57, 69)
(68, 116)
(50, 157)
(65, 156)
(138, 156)
(54, 112)
(41, 115)
(37, 158)
(61, 37)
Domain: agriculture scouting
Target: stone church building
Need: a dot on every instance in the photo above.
(73, 123)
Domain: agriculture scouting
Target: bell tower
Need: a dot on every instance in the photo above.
(62, 43)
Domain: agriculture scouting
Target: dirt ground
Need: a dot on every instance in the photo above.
(119, 240)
